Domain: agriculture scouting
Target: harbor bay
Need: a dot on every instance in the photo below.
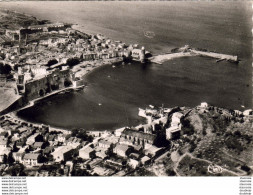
(179, 82)
(123, 89)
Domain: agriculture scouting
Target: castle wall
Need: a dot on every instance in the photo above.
(56, 80)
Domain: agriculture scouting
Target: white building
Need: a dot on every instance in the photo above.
(118, 132)
(145, 160)
(152, 151)
(104, 144)
(86, 153)
(39, 71)
(133, 163)
(204, 105)
(247, 112)
(172, 132)
(121, 150)
(31, 159)
(3, 143)
(18, 156)
(176, 119)
(30, 140)
(62, 153)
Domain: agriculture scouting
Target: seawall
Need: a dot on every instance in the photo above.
(216, 55)
(159, 59)
(187, 52)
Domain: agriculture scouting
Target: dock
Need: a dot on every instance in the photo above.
(216, 55)
(159, 59)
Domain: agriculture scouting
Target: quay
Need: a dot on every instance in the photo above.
(159, 59)
(186, 51)
(216, 55)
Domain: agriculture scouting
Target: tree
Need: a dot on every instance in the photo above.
(5, 159)
(15, 148)
(88, 167)
(204, 132)
(245, 168)
(8, 69)
(74, 132)
(180, 152)
(13, 172)
(10, 159)
(90, 138)
(52, 62)
(61, 171)
(5, 69)
(42, 159)
(170, 172)
(233, 143)
(192, 148)
(16, 67)
(2, 55)
(187, 128)
(39, 138)
(16, 170)
(67, 83)
(237, 133)
(109, 152)
(73, 61)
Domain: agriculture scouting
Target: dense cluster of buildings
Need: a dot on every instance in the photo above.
(36, 146)
(41, 43)
(41, 57)
(45, 151)
(107, 153)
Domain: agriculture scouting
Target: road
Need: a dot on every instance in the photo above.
(176, 165)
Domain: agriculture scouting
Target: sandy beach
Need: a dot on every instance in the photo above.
(87, 67)
(13, 115)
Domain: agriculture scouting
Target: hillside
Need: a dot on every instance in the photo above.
(13, 20)
(213, 142)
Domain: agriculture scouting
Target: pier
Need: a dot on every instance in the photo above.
(159, 59)
(216, 55)
(188, 52)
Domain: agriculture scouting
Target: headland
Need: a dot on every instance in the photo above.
(39, 58)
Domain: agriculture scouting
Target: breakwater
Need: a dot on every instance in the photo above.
(186, 51)
(159, 59)
(216, 55)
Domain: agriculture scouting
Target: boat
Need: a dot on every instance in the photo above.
(113, 66)
(99, 104)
